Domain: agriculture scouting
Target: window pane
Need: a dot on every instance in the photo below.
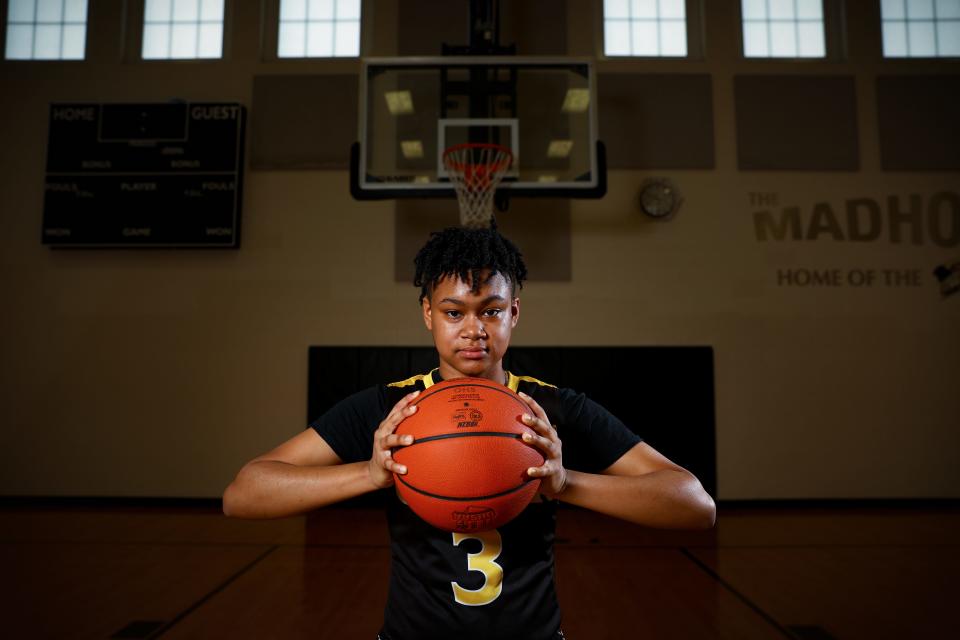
(755, 40)
(320, 39)
(47, 44)
(348, 9)
(948, 38)
(320, 10)
(212, 11)
(616, 8)
(184, 11)
(643, 9)
(75, 11)
(890, 9)
(754, 9)
(49, 11)
(783, 40)
(616, 38)
(811, 43)
(894, 39)
(919, 9)
(781, 10)
(948, 8)
(293, 40)
(646, 28)
(158, 10)
(672, 8)
(156, 41)
(645, 40)
(293, 9)
(673, 38)
(74, 38)
(19, 42)
(183, 41)
(180, 29)
(347, 39)
(810, 9)
(21, 11)
(920, 39)
(211, 41)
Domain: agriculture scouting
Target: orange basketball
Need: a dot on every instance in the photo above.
(467, 466)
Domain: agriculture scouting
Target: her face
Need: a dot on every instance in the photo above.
(472, 331)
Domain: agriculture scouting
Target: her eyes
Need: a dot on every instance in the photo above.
(453, 314)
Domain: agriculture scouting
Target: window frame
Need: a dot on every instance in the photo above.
(694, 12)
(270, 37)
(4, 12)
(906, 59)
(134, 40)
(834, 37)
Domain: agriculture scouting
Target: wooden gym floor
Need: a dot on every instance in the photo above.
(801, 573)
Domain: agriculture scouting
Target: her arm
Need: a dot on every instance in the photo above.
(305, 473)
(642, 486)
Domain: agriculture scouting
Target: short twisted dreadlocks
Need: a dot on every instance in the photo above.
(462, 252)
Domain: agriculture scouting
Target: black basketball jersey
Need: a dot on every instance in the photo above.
(491, 584)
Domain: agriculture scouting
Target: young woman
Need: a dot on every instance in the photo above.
(492, 584)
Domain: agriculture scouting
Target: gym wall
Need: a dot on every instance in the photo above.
(803, 254)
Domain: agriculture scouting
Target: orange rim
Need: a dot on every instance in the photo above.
(483, 168)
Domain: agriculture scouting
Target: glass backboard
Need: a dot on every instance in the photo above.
(541, 109)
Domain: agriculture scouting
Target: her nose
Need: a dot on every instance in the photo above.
(473, 328)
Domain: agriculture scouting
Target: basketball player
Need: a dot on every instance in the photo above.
(493, 584)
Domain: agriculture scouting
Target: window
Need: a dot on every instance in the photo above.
(783, 29)
(182, 29)
(920, 28)
(319, 29)
(46, 29)
(655, 28)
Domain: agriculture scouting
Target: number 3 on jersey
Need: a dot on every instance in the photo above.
(490, 547)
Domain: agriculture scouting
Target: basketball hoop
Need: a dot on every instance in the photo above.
(475, 169)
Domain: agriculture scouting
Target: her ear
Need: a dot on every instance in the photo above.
(427, 318)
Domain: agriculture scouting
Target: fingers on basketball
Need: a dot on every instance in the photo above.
(470, 474)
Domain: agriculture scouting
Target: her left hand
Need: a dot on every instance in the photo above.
(553, 476)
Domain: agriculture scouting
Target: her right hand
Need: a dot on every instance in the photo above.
(382, 465)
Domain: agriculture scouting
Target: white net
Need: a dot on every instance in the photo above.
(475, 169)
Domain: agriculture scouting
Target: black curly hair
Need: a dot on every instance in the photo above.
(465, 253)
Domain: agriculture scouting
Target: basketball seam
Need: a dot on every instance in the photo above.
(465, 434)
(467, 499)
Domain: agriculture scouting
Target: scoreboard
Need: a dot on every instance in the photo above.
(144, 175)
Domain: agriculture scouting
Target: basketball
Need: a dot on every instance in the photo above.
(467, 466)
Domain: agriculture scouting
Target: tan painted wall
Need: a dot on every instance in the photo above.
(158, 373)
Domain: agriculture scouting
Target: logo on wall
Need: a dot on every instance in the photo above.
(912, 220)
(949, 277)
(915, 220)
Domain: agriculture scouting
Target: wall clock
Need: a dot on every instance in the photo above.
(659, 198)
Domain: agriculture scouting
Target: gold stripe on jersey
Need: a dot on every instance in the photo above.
(514, 381)
(412, 380)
